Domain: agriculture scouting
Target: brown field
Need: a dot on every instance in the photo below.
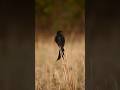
(67, 74)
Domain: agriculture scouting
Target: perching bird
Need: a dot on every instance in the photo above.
(60, 40)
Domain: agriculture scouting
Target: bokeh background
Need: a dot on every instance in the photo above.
(69, 17)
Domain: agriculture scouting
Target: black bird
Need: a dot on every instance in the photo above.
(60, 40)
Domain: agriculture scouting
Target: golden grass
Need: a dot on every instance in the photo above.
(67, 74)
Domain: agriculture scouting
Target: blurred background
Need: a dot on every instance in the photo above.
(69, 17)
(66, 15)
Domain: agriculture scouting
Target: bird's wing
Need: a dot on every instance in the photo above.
(56, 39)
(62, 39)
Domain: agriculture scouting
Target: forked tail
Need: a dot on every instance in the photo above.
(61, 54)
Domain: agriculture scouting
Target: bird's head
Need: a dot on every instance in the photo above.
(59, 32)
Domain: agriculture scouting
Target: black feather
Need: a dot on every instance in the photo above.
(60, 40)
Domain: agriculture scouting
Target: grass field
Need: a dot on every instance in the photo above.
(67, 74)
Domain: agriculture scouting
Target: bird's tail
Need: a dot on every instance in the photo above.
(59, 56)
(61, 53)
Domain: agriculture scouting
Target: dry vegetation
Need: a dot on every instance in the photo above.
(68, 74)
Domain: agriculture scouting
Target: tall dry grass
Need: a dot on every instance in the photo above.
(67, 74)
